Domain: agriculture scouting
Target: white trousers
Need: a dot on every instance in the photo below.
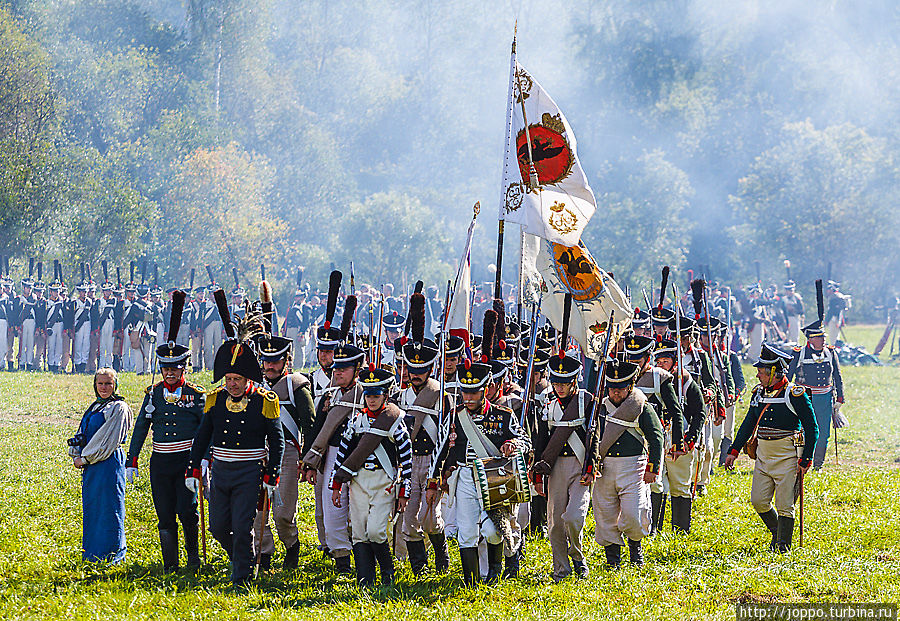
(106, 344)
(26, 355)
(82, 345)
(212, 340)
(55, 344)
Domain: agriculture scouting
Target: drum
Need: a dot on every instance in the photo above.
(502, 480)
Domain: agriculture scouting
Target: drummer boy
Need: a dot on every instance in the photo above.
(483, 430)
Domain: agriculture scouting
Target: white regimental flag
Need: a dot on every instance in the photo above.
(458, 315)
(561, 205)
(595, 295)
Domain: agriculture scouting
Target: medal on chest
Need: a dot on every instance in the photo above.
(236, 405)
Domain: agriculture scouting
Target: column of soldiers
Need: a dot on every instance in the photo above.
(407, 440)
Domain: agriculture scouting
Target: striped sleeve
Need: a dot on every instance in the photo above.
(343, 450)
(404, 457)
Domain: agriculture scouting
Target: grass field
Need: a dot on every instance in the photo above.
(851, 551)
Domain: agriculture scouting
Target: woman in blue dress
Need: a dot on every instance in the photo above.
(97, 451)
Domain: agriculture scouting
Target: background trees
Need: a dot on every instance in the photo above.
(310, 132)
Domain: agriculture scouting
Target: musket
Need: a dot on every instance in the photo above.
(352, 292)
(380, 327)
(443, 418)
(529, 370)
(599, 386)
(713, 350)
(678, 347)
(646, 299)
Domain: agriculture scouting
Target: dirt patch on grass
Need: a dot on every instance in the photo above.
(12, 418)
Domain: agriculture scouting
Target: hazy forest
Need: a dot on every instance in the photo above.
(306, 132)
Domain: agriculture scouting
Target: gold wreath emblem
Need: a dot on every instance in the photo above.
(562, 220)
(236, 406)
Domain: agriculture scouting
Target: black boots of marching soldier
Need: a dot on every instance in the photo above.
(785, 533)
(168, 543)
(495, 562)
(441, 554)
(368, 557)
(418, 557)
(681, 514)
(657, 511)
(770, 519)
(292, 556)
(469, 559)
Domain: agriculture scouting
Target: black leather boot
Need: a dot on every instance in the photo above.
(364, 557)
(537, 525)
(613, 555)
(469, 559)
(657, 511)
(342, 565)
(385, 559)
(511, 564)
(580, 569)
(418, 557)
(681, 514)
(635, 552)
(265, 561)
(785, 533)
(495, 562)
(168, 543)
(292, 556)
(190, 545)
(441, 555)
(770, 519)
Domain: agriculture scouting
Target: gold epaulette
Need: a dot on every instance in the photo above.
(797, 391)
(211, 398)
(271, 407)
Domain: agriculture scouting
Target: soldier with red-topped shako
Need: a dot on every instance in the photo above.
(374, 463)
(241, 425)
(630, 451)
(678, 465)
(173, 408)
(561, 449)
(342, 398)
(421, 403)
(483, 430)
(297, 415)
(780, 433)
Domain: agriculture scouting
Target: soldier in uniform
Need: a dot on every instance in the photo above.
(792, 306)
(241, 425)
(374, 461)
(815, 367)
(5, 317)
(629, 449)
(297, 415)
(296, 323)
(25, 321)
(658, 386)
(421, 403)
(40, 323)
(727, 397)
(482, 430)
(393, 327)
(678, 465)
(80, 328)
(342, 398)
(173, 408)
(834, 318)
(641, 323)
(561, 449)
(55, 314)
(782, 425)
(105, 311)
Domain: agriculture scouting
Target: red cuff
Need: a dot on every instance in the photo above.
(193, 474)
(803, 463)
(734, 452)
(132, 463)
(268, 480)
(651, 468)
(335, 486)
(403, 492)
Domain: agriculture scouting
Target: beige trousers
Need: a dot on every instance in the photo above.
(675, 476)
(371, 504)
(774, 476)
(568, 502)
(419, 519)
(621, 500)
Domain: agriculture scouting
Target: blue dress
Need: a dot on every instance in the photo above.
(103, 494)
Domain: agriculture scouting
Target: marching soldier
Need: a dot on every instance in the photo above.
(815, 366)
(482, 430)
(658, 386)
(173, 408)
(727, 396)
(374, 461)
(534, 512)
(240, 421)
(105, 311)
(6, 312)
(420, 402)
(678, 465)
(40, 323)
(393, 327)
(780, 432)
(792, 306)
(55, 315)
(25, 320)
(80, 328)
(297, 415)
(629, 447)
(342, 398)
(561, 448)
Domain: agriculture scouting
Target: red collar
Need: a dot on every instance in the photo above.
(778, 386)
(371, 414)
(176, 386)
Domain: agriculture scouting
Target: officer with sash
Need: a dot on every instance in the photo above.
(780, 432)
(241, 424)
(173, 408)
(297, 415)
(374, 463)
(629, 450)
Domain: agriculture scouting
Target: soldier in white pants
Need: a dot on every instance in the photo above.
(81, 329)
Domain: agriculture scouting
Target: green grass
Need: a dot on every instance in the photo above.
(851, 551)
